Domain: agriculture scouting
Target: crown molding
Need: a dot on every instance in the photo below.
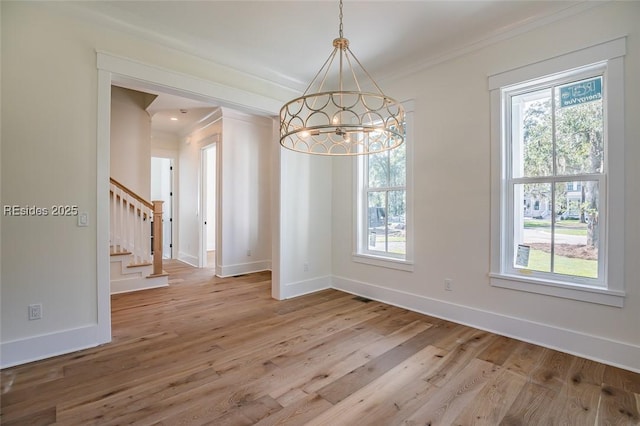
(497, 36)
(76, 10)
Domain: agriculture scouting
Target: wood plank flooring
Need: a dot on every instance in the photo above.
(211, 351)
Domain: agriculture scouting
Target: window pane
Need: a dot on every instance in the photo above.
(532, 226)
(579, 127)
(531, 134)
(378, 169)
(377, 201)
(397, 238)
(398, 163)
(577, 231)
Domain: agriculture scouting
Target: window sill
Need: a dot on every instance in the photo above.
(384, 262)
(558, 289)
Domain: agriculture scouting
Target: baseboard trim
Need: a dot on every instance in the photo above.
(300, 288)
(188, 259)
(584, 345)
(35, 348)
(139, 283)
(224, 271)
(596, 348)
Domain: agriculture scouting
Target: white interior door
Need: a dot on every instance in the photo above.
(209, 205)
(162, 189)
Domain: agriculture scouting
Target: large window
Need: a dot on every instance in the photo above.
(559, 137)
(385, 197)
(555, 141)
(383, 216)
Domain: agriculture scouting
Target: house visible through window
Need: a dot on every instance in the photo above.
(558, 136)
(556, 139)
(386, 205)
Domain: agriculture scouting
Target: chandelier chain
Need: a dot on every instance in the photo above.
(341, 28)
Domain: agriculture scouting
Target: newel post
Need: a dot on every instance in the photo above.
(157, 237)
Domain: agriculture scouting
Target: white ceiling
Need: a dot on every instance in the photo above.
(287, 41)
(174, 114)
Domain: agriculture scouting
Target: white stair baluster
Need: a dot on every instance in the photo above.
(130, 225)
(127, 225)
(119, 219)
(111, 243)
(138, 230)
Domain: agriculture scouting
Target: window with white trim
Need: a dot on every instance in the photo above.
(384, 196)
(554, 143)
(557, 210)
(383, 217)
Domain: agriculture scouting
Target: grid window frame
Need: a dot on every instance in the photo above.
(609, 57)
(361, 252)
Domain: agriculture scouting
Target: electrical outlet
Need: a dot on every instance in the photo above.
(448, 284)
(248, 253)
(306, 267)
(35, 311)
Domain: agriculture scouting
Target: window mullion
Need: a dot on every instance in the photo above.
(554, 166)
(386, 223)
(558, 179)
(364, 240)
(553, 228)
(386, 206)
(507, 239)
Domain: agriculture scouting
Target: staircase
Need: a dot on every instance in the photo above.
(135, 235)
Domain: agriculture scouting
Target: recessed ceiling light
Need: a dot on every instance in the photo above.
(174, 119)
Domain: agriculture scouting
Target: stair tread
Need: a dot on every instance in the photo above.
(163, 274)
(134, 265)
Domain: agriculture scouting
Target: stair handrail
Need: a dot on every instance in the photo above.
(132, 193)
(155, 208)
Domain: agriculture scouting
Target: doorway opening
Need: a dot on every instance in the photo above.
(209, 204)
(162, 189)
(123, 72)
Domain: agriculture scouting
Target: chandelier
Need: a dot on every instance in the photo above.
(344, 120)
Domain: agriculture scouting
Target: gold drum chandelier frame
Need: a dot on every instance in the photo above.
(341, 122)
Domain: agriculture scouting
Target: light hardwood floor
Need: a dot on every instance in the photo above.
(222, 352)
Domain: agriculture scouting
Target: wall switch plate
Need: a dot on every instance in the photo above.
(35, 311)
(83, 219)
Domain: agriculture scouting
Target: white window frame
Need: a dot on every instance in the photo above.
(608, 58)
(361, 253)
(508, 267)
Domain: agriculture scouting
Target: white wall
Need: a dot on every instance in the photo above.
(452, 199)
(305, 223)
(131, 140)
(46, 161)
(49, 55)
(244, 233)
